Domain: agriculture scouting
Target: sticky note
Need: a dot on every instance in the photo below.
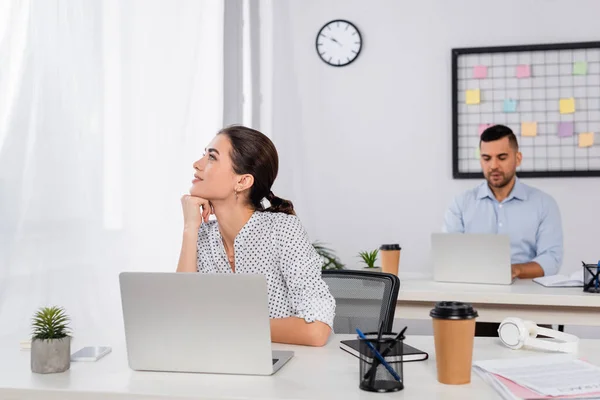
(473, 96)
(523, 71)
(565, 129)
(586, 139)
(510, 105)
(483, 127)
(480, 72)
(529, 129)
(580, 68)
(477, 153)
(567, 106)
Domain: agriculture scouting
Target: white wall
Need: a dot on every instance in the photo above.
(366, 149)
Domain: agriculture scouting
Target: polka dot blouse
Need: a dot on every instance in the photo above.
(277, 246)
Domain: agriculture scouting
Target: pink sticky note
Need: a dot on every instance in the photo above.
(483, 127)
(523, 71)
(480, 72)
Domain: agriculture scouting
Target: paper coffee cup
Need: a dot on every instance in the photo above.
(453, 333)
(390, 258)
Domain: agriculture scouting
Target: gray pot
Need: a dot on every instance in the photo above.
(49, 356)
(376, 269)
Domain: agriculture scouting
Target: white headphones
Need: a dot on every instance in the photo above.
(516, 333)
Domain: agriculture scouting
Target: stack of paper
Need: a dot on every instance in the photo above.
(541, 377)
(575, 279)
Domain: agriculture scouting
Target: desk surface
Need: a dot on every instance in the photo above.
(522, 292)
(313, 373)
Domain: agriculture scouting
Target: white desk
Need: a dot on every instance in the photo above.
(313, 373)
(524, 299)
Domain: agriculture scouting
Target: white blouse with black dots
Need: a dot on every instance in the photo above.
(277, 246)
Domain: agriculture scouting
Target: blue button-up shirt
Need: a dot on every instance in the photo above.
(530, 218)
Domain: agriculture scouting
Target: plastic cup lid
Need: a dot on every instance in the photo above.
(453, 310)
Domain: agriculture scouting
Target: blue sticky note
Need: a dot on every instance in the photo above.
(510, 105)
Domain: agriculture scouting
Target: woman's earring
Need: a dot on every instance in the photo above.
(236, 194)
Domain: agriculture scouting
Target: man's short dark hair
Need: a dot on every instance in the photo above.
(497, 132)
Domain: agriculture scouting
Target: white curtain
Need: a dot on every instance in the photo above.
(104, 105)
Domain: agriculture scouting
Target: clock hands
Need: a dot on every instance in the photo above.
(331, 38)
(334, 39)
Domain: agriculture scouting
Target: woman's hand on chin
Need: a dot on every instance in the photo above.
(195, 210)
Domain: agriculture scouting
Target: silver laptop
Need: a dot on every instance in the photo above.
(471, 258)
(192, 322)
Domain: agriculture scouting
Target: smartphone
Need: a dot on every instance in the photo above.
(90, 353)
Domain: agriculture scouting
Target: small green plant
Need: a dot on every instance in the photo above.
(369, 257)
(330, 260)
(50, 323)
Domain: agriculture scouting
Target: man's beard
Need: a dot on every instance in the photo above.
(502, 183)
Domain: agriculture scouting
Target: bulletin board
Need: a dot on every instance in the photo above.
(549, 95)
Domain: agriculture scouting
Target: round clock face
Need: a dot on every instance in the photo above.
(339, 43)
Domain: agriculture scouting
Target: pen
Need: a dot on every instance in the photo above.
(378, 356)
(386, 352)
(597, 273)
(587, 285)
(380, 333)
(375, 362)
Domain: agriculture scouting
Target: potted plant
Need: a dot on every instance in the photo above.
(369, 258)
(50, 342)
(330, 260)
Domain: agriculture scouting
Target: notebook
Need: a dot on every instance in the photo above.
(410, 353)
(573, 280)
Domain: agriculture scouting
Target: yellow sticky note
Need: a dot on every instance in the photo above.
(473, 96)
(567, 106)
(529, 129)
(586, 139)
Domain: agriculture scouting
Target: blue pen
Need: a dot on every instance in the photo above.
(379, 357)
(597, 273)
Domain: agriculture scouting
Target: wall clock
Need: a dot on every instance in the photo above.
(339, 43)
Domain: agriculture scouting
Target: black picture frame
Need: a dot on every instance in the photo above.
(456, 53)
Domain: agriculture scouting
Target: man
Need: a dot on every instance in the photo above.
(504, 205)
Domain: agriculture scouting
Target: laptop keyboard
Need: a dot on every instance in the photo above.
(275, 360)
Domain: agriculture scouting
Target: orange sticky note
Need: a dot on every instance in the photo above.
(567, 106)
(586, 139)
(473, 96)
(529, 129)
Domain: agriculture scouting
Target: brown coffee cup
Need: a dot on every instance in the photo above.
(390, 258)
(453, 333)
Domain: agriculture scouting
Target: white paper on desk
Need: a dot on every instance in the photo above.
(552, 375)
(491, 380)
(573, 280)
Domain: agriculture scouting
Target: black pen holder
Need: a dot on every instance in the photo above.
(591, 278)
(374, 376)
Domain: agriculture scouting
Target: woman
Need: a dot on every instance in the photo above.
(231, 180)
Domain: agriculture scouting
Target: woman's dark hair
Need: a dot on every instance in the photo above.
(254, 153)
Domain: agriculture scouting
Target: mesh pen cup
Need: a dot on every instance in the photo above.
(374, 376)
(591, 278)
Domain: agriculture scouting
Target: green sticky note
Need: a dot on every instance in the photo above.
(477, 153)
(580, 68)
